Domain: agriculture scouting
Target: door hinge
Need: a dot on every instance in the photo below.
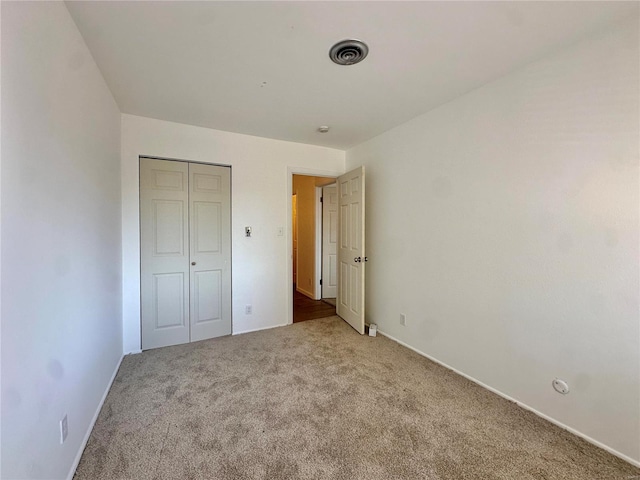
(320, 281)
(321, 199)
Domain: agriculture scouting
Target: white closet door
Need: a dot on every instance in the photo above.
(164, 252)
(210, 239)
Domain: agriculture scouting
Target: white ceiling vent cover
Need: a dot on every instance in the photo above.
(348, 52)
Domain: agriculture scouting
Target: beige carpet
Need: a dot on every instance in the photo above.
(315, 400)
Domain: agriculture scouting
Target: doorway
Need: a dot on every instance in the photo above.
(310, 270)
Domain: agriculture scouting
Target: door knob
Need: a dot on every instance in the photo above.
(365, 259)
(193, 263)
(357, 259)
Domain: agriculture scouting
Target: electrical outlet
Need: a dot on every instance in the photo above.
(403, 320)
(64, 429)
(248, 310)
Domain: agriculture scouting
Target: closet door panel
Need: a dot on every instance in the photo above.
(210, 245)
(164, 252)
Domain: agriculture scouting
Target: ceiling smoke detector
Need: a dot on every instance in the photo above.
(348, 52)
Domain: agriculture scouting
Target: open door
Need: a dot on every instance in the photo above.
(351, 255)
(294, 231)
(330, 241)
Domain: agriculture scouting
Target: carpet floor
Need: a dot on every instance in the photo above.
(315, 400)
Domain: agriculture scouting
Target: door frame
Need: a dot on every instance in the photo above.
(294, 237)
(318, 246)
(291, 171)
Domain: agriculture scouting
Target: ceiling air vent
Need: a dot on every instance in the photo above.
(348, 52)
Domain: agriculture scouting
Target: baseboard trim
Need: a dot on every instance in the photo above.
(520, 404)
(259, 329)
(76, 462)
(306, 293)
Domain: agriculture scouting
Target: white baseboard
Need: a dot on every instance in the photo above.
(72, 472)
(259, 329)
(520, 404)
(306, 293)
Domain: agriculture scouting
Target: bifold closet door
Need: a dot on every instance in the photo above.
(185, 252)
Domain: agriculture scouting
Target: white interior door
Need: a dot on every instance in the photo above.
(329, 241)
(210, 253)
(294, 234)
(185, 252)
(351, 254)
(164, 252)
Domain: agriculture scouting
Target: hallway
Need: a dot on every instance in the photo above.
(306, 309)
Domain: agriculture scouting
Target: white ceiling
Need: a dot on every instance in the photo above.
(262, 68)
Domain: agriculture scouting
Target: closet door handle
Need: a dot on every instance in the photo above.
(193, 263)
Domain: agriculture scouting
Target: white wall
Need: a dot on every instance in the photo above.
(61, 288)
(261, 198)
(504, 224)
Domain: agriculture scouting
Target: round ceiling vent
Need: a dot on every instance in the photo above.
(348, 52)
